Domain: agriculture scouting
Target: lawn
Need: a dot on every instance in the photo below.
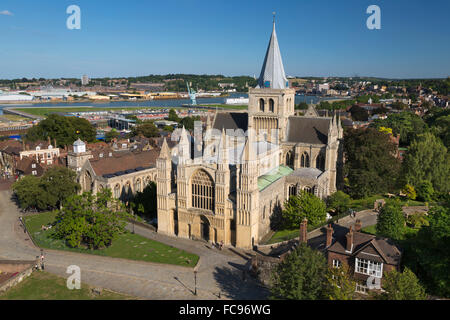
(126, 246)
(284, 235)
(45, 286)
(370, 230)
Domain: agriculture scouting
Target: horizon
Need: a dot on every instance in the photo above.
(316, 40)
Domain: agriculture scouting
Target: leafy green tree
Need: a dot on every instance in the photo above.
(145, 202)
(111, 135)
(410, 192)
(173, 116)
(91, 221)
(402, 286)
(305, 205)
(428, 159)
(300, 276)
(340, 202)
(391, 221)
(371, 165)
(359, 114)
(340, 284)
(65, 130)
(301, 106)
(59, 183)
(147, 129)
(189, 122)
(30, 193)
(427, 254)
(425, 191)
(406, 124)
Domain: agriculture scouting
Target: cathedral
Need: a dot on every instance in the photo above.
(224, 185)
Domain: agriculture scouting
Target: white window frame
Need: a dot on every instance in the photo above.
(360, 288)
(337, 263)
(369, 267)
(34, 173)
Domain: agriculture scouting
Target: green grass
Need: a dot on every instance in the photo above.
(283, 235)
(126, 246)
(370, 230)
(45, 286)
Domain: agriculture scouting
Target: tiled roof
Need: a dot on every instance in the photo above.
(231, 120)
(308, 130)
(125, 161)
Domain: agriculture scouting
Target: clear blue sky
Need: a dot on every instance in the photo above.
(137, 37)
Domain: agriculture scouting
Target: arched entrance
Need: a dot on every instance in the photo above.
(205, 228)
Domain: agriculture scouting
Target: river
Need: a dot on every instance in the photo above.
(147, 103)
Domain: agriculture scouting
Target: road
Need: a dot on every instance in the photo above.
(219, 271)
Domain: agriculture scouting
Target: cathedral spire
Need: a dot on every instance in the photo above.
(272, 72)
(164, 154)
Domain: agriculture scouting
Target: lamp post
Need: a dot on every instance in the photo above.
(195, 282)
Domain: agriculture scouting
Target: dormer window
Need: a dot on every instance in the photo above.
(101, 155)
(33, 166)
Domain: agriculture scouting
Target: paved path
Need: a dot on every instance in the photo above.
(219, 271)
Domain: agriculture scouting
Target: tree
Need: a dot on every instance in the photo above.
(406, 124)
(30, 193)
(425, 191)
(410, 192)
(301, 106)
(65, 130)
(145, 201)
(402, 286)
(305, 205)
(340, 285)
(111, 135)
(391, 221)
(371, 165)
(340, 202)
(59, 183)
(300, 276)
(48, 191)
(427, 159)
(147, 129)
(173, 116)
(359, 114)
(91, 221)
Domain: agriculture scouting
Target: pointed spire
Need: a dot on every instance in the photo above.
(249, 152)
(272, 72)
(164, 153)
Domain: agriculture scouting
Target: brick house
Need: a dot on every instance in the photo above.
(365, 254)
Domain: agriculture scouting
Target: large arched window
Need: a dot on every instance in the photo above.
(271, 105)
(261, 105)
(320, 162)
(304, 163)
(202, 191)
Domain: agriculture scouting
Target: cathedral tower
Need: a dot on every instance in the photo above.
(163, 189)
(271, 103)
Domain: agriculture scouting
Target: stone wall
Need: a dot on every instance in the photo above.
(21, 269)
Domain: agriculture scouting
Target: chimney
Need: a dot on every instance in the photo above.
(349, 237)
(358, 225)
(303, 231)
(329, 235)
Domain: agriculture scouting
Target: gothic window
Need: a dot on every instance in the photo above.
(271, 105)
(308, 189)
(292, 190)
(320, 162)
(261, 105)
(289, 159)
(202, 191)
(117, 191)
(138, 186)
(305, 160)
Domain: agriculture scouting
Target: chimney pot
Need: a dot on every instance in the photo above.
(329, 235)
(358, 225)
(349, 237)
